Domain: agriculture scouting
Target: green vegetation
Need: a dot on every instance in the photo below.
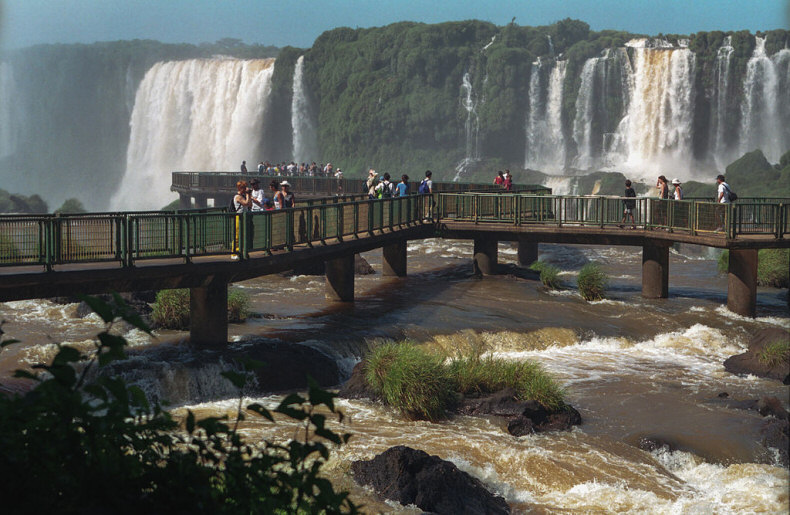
(171, 308)
(753, 176)
(774, 354)
(549, 274)
(423, 385)
(10, 203)
(84, 442)
(71, 205)
(592, 282)
(773, 267)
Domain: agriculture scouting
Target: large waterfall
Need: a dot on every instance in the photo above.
(765, 111)
(471, 128)
(721, 117)
(8, 119)
(305, 139)
(545, 149)
(200, 114)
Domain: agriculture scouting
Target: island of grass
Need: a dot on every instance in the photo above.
(423, 385)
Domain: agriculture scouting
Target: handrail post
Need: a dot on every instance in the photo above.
(185, 243)
(289, 229)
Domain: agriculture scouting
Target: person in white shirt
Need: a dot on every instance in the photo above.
(678, 191)
(723, 190)
(257, 195)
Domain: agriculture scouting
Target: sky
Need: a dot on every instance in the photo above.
(299, 22)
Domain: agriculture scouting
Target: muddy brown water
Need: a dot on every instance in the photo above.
(633, 367)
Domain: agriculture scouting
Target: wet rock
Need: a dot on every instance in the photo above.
(776, 439)
(524, 417)
(655, 443)
(411, 476)
(750, 362)
(356, 387)
(362, 267)
(773, 407)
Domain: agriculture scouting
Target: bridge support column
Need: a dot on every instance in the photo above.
(485, 256)
(742, 282)
(184, 201)
(527, 252)
(340, 278)
(655, 271)
(208, 314)
(201, 201)
(394, 262)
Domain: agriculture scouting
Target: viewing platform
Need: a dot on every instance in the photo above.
(56, 255)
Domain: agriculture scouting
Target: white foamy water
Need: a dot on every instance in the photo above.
(9, 119)
(305, 138)
(199, 114)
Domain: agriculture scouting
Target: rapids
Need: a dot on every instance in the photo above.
(633, 367)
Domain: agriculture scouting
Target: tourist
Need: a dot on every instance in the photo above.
(723, 190)
(244, 167)
(260, 168)
(403, 186)
(678, 191)
(629, 204)
(288, 199)
(339, 177)
(370, 184)
(242, 202)
(663, 187)
(508, 184)
(384, 188)
(268, 205)
(499, 180)
(257, 194)
(426, 186)
(277, 195)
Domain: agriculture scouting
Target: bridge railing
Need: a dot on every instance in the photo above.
(695, 217)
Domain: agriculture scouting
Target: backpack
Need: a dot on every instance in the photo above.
(386, 190)
(423, 187)
(732, 195)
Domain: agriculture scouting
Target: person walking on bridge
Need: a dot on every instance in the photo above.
(677, 190)
(244, 167)
(629, 204)
(242, 202)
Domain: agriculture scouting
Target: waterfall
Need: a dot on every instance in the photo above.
(200, 114)
(766, 103)
(305, 139)
(545, 149)
(720, 115)
(8, 118)
(657, 130)
(471, 127)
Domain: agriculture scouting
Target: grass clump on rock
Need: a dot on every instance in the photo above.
(549, 274)
(425, 385)
(592, 282)
(171, 308)
(775, 353)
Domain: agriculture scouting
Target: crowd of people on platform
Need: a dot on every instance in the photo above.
(294, 169)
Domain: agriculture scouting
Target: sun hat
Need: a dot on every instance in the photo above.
(284, 183)
(675, 181)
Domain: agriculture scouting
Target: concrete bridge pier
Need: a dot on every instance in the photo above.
(742, 282)
(340, 278)
(485, 255)
(201, 201)
(527, 252)
(655, 271)
(208, 313)
(394, 262)
(184, 201)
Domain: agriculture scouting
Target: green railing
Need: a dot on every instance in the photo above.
(695, 217)
(130, 237)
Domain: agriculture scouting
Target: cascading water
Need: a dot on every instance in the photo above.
(766, 104)
(305, 139)
(471, 127)
(8, 120)
(201, 114)
(657, 131)
(545, 140)
(720, 117)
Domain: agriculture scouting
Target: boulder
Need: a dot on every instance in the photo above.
(776, 435)
(356, 387)
(411, 476)
(523, 417)
(750, 363)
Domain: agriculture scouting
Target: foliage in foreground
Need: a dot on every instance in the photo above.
(773, 267)
(76, 445)
(423, 385)
(171, 308)
(592, 282)
(549, 274)
(775, 353)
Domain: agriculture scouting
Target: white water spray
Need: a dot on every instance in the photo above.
(305, 139)
(8, 118)
(471, 127)
(200, 114)
(545, 140)
(719, 113)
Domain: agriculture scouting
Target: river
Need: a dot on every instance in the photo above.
(633, 368)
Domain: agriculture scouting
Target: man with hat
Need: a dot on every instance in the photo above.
(288, 198)
(677, 188)
(371, 183)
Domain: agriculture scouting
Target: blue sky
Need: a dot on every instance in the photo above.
(299, 22)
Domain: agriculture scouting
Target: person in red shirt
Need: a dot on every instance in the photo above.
(500, 178)
(508, 181)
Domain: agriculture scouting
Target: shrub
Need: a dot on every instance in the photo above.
(171, 309)
(775, 353)
(71, 205)
(78, 445)
(549, 274)
(238, 305)
(423, 385)
(409, 379)
(592, 282)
